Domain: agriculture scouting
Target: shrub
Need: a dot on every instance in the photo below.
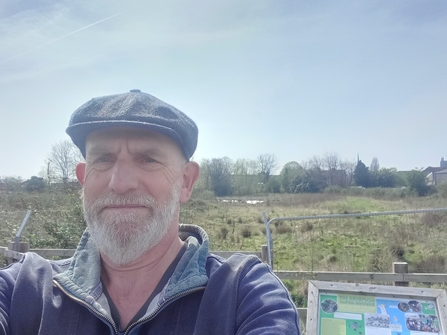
(223, 233)
(441, 190)
(333, 189)
(398, 251)
(246, 232)
(283, 229)
(273, 185)
(34, 184)
(307, 226)
(332, 259)
(417, 182)
(431, 264)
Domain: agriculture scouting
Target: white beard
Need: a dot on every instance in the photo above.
(124, 236)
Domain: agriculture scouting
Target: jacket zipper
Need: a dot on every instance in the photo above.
(166, 302)
(147, 318)
(101, 316)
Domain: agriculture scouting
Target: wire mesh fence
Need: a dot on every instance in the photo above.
(363, 241)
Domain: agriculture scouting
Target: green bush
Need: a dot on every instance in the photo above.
(418, 183)
(246, 232)
(333, 189)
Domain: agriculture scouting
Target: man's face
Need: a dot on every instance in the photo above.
(134, 181)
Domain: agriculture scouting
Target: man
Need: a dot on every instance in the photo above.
(136, 269)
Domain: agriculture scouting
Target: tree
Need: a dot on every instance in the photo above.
(361, 175)
(312, 181)
(273, 185)
(267, 165)
(315, 162)
(384, 178)
(348, 167)
(12, 183)
(417, 182)
(288, 173)
(217, 175)
(245, 176)
(34, 184)
(375, 166)
(331, 161)
(62, 160)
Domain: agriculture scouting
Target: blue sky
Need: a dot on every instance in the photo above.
(291, 78)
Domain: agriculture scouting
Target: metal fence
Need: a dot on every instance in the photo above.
(267, 222)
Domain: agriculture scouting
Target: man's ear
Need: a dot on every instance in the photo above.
(80, 172)
(190, 174)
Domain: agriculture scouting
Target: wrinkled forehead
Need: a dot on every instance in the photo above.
(132, 135)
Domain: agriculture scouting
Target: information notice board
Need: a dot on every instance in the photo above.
(360, 309)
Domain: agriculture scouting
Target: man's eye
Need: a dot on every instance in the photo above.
(104, 159)
(149, 160)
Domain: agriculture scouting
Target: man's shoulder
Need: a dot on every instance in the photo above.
(249, 296)
(34, 263)
(235, 259)
(236, 264)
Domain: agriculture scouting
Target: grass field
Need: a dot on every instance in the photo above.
(348, 244)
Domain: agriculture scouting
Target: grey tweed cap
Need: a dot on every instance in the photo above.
(135, 109)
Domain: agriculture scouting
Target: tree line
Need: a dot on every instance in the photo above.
(226, 177)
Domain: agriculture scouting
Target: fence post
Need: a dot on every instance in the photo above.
(20, 230)
(21, 247)
(268, 234)
(400, 267)
(264, 253)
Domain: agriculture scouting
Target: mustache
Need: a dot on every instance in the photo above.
(110, 199)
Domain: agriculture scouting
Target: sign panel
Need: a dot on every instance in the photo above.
(360, 309)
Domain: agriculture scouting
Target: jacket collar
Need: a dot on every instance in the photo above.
(82, 277)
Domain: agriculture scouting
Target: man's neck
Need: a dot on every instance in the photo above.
(130, 285)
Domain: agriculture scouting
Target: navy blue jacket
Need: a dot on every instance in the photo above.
(206, 294)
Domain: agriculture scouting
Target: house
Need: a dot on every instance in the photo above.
(436, 175)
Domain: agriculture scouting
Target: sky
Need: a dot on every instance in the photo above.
(295, 79)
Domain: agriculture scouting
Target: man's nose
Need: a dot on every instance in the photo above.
(124, 177)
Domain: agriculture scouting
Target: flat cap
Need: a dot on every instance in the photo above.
(135, 109)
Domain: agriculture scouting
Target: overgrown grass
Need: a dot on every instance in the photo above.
(348, 244)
